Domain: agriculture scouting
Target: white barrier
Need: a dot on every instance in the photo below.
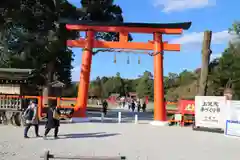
(119, 117)
(136, 119)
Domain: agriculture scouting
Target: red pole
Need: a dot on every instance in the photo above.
(81, 105)
(159, 107)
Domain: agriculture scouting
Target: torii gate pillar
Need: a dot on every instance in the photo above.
(85, 77)
(159, 105)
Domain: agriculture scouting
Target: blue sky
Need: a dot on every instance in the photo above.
(215, 15)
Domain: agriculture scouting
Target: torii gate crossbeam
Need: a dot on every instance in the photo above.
(157, 45)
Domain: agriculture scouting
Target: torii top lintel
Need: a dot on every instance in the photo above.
(124, 29)
(164, 28)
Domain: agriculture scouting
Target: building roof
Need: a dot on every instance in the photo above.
(15, 70)
(8, 75)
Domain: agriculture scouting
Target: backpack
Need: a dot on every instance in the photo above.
(28, 114)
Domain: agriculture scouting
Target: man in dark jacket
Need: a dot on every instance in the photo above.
(30, 116)
(133, 105)
(52, 122)
(144, 106)
(105, 106)
(138, 106)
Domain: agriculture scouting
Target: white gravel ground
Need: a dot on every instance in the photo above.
(141, 141)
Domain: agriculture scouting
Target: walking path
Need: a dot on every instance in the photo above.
(140, 142)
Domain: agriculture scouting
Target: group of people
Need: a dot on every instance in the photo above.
(137, 104)
(31, 119)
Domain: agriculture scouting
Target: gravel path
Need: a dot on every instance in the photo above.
(141, 142)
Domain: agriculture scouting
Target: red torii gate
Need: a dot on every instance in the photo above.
(124, 29)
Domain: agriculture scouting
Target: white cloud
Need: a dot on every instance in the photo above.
(180, 5)
(76, 69)
(214, 56)
(196, 38)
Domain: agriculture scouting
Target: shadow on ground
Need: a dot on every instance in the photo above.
(205, 129)
(87, 135)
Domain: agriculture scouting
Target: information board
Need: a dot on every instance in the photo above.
(233, 118)
(233, 110)
(210, 111)
(232, 128)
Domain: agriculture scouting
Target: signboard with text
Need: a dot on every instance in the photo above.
(210, 111)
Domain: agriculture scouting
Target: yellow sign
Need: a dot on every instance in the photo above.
(190, 107)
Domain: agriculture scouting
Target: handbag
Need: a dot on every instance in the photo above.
(55, 114)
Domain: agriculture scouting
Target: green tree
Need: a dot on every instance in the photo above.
(186, 77)
(145, 84)
(102, 11)
(227, 73)
(39, 41)
(96, 88)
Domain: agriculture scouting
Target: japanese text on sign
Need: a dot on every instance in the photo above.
(210, 107)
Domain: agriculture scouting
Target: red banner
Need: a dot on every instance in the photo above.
(146, 99)
(187, 106)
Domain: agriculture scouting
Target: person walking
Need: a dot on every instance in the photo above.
(144, 106)
(31, 118)
(123, 101)
(138, 106)
(133, 105)
(53, 121)
(105, 106)
(129, 104)
(123, 104)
